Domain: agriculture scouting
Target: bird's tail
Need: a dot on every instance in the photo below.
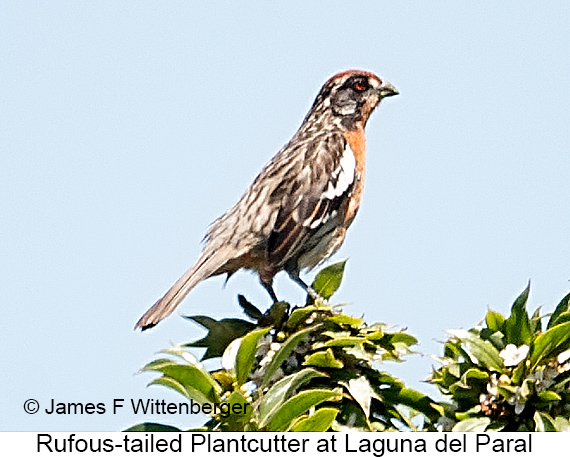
(204, 267)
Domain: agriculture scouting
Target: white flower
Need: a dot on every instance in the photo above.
(493, 390)
(268, 357)
(248, 388)
(563, 356)
(512, 355)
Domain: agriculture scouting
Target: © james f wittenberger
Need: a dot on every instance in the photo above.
(147, 406)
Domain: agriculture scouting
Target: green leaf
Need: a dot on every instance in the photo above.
(497, 426)
(249, 309)
(546, 343)
(562, 317)
(392, 391)
(328, 280)
(562, 381)
(414, 400)
(220, 334)
(359, 352)
(518, 373)
(544, 423)
(507, 391)
(476, 374)
(517, 325)
(187, 390)
(498, 339)
(275, 315)
(224, 378)
(325, 359)
(536, 321)
(475, 424)
(549, 396)
(461, 393)
(297, 405)
(495, 320)
(320, 421)
(152, 427)
(401, 337)
(479, 350)
(417, 401)
(246, 354)
(339, 341)
(190, 377)
(560, 309)
(285, 351)
(345, 319)
(471, 413)
(358, 421)
(300, 314)
(237, 422)
(454, 369)
(282, 390)
(375, 336)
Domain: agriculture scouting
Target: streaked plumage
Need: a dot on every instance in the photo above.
(296, 212)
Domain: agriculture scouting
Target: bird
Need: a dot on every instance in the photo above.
(296, 212)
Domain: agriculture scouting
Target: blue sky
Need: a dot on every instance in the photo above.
(127, 127)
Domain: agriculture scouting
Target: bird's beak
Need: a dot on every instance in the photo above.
(387, 90)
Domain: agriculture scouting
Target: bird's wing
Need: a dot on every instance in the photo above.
(316, 191)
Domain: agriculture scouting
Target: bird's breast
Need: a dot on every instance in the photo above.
(357, 144)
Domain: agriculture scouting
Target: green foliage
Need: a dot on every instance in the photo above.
(327, 281)
(220, 334)
(508, 374)
(314, 368)
(310, 368)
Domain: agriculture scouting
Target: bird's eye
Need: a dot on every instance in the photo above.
(360, 85)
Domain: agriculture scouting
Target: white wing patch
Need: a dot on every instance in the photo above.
(323, 219)
(344, 175)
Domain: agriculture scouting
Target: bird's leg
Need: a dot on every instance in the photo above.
(294, 275)
(268, 286)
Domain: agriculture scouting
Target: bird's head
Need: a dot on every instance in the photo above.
(350, 97)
